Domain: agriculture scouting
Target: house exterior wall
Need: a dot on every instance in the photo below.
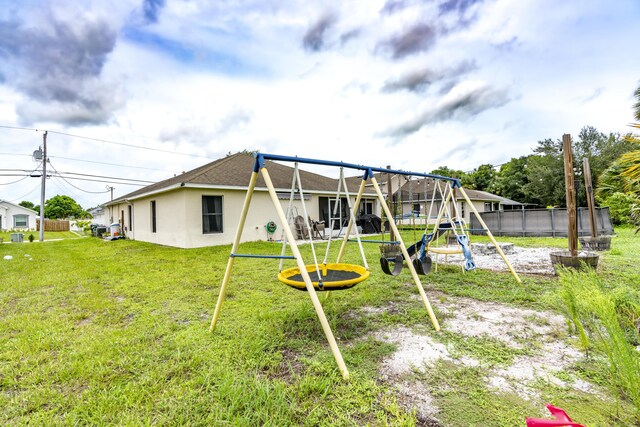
(170, 219)
(261, 211)
(462, 206)
(179, 221)
(8, 211)
(120, 215)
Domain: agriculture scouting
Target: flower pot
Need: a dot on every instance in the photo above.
(599, 243)
(582, 261)
(390, 250)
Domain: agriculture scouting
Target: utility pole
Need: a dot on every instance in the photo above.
(44, 181)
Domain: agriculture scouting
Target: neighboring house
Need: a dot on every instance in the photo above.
(15, 217)
(202, 207)
(98, 215)
(418, 196)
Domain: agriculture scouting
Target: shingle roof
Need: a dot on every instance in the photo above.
(235, 171)
(417, 187)
(15, 206)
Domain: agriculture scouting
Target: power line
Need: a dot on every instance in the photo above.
(127, 145)
(78, 188)
(17, 128)
(109, 164)
(15, 154)
(93, 161)
(106, 177)
(78, 198)
(13, 182)
(22, 197)
(122, 181)
(105, 181)
(106, 141)
(21, 179)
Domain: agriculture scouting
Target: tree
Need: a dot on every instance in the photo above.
(482, 178)
(602, 151)
(611, 181)
(510, 180)
(29, 205)
(446, 171)
(621, 206)
(59, 207)
(636, 106)
(545, 172)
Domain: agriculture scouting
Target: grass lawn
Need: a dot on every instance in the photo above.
(116, 332)
(48, 235)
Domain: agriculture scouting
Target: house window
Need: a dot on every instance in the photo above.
(462, 209)
(416, 209)
(153, 216)
(366, 207)
(20, 221)
(211, 214)
(130, 218)
(488, 206)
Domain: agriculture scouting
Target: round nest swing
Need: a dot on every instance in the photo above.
(334, 276)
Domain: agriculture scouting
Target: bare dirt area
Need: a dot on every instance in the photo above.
(538, 339)
(523, 260)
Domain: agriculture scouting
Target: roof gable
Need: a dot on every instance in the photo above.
(13, 206)
(235, 171)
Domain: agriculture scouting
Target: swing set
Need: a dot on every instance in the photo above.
(328, 276)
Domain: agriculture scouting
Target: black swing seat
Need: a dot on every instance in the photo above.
(421, 264)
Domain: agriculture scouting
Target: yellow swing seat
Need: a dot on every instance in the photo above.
(442, 250)
(335, 276)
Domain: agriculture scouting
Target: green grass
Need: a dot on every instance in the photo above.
(101, 332)
(48, 235)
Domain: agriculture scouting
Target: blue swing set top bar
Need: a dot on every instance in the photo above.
(368, 170)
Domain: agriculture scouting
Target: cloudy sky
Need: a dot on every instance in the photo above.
(145, 89)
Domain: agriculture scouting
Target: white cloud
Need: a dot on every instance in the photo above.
(207, 78)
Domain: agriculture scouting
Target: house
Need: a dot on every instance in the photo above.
(202, 207)
(420, 197)
(16, 217)
(97, 214)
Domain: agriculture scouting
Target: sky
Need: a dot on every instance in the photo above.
(133, 92)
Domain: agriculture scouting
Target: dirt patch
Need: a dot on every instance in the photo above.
(288, 369)
(539, 337)
(523, 260)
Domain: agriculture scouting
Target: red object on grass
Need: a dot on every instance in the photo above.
(562, 419)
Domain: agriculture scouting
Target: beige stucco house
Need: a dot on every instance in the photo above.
(417, 196)
(202, 207)
(16, 217)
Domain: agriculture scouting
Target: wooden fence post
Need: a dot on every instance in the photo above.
(588, 185)
(572, 232)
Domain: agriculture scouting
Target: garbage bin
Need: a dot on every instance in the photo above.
(114, 229)
(370, 224)
(17, 237)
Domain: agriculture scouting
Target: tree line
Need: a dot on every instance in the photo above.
(59, 207)
(538, 179)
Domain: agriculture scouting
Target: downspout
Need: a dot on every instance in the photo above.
(133, 236)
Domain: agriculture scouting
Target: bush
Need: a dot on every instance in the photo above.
(606, 319)
(620, 205)
(31, 237)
